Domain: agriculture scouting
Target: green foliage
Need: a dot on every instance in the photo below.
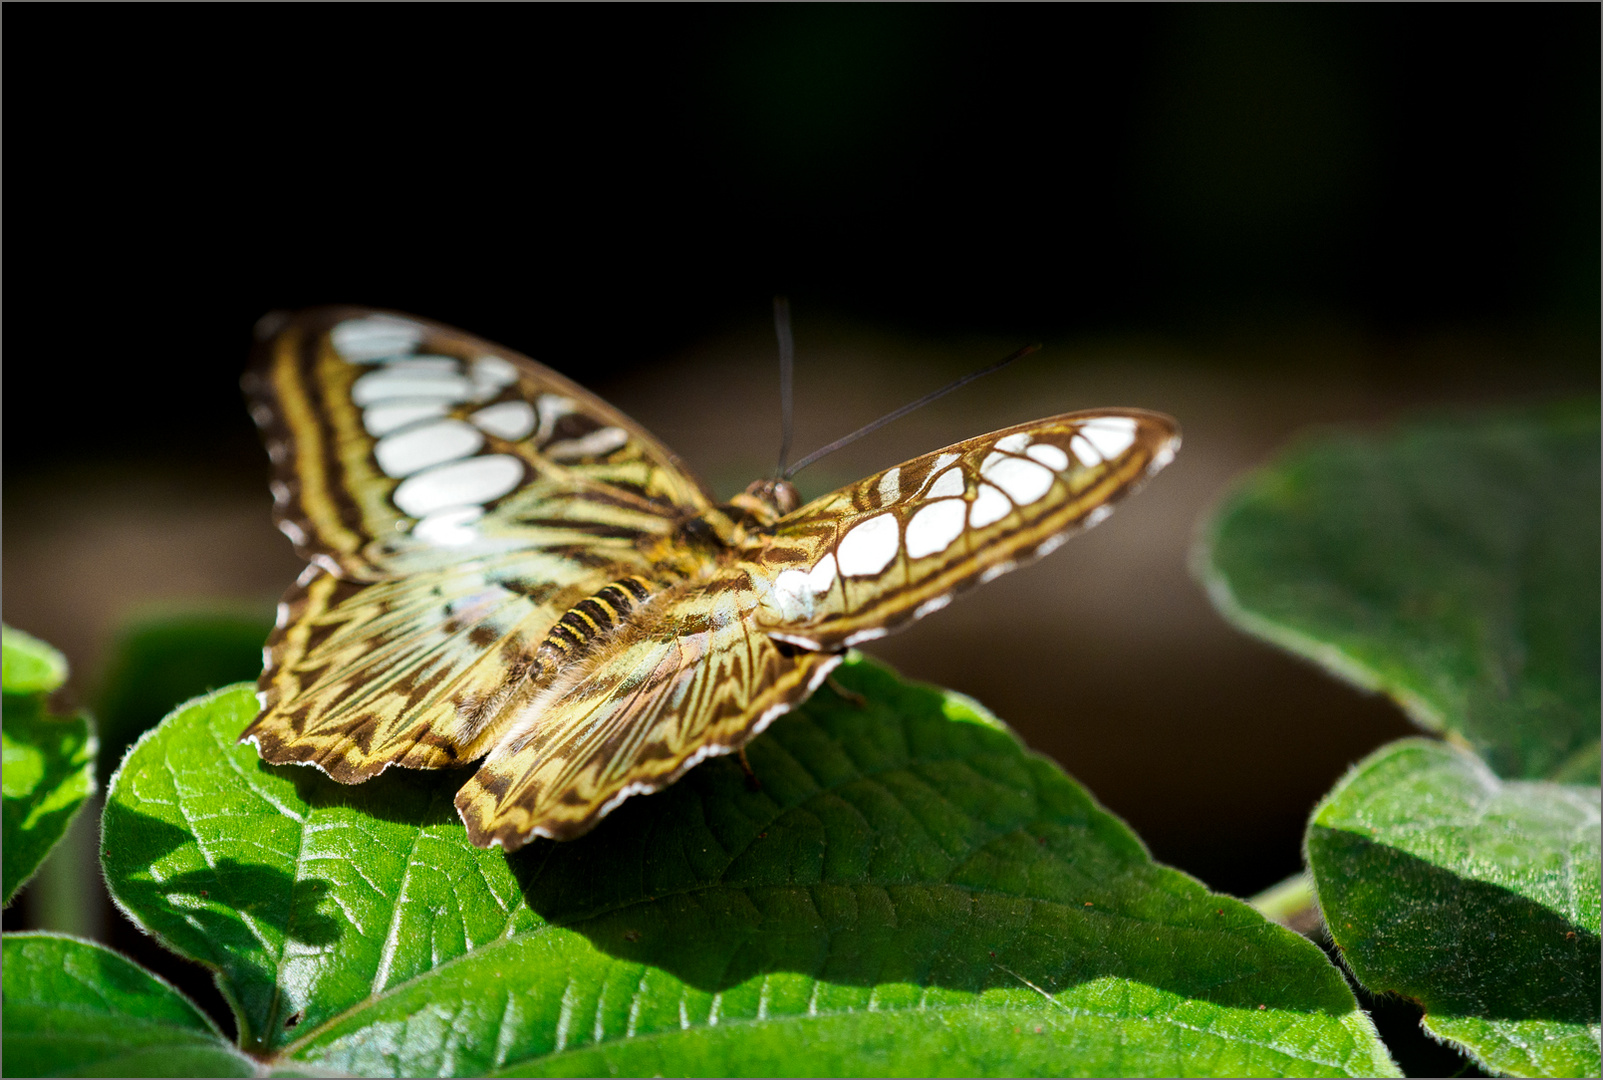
(162, 659)
(28, 665)
(74, 1008)
(1454, 565)
(1475, 896)
(49, 761)
(909, 892)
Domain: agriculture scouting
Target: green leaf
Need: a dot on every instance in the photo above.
(48, 769)
(909, 892)
(75, 1008)
(28, 665)
(1453, 564)
(1475, 896)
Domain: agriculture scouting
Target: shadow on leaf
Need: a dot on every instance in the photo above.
(220, 901)
(57, 745)
(1458, 946)
(891, 842)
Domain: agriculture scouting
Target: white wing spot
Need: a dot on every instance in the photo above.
(890, 486)
(450, 528)
(942, 462)
(362, 341)
(822, 576)
(933, 604)
(601, 441)
(387, 384)
(419, 448)
(1014, 443)
(1085, 451)
(510, 420)
(934, 527)
(794, 595)
(1111, 435)
(869, 546)
(443, 365)
(553, 408)
(1023, 480)
(461, 483)
(1051, 456)
(947, 484)
(1164, 455)
(391, 416)
(490, 374)
(990, 506)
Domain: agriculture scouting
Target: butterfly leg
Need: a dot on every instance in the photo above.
(846, 692)
(751, 778)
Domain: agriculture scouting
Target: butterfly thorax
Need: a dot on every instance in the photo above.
(766, 501)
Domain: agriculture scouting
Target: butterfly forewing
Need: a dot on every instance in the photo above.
(394, 434)
(857, 563)
(458, 498)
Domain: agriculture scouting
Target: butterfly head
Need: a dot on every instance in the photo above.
(768, 500)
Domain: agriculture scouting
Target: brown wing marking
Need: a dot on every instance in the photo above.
(332, 497)
(690, 679)
(857, 563)
(412, 672)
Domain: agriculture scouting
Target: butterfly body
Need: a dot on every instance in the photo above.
(502, 566)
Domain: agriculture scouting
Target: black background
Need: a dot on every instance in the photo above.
(600, 185)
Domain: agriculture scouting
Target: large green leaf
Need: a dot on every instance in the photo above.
(1453, 564)
(75, 1008)
(48, 769)
(909, 892)
(1476, 897)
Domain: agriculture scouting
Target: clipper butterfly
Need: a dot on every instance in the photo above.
(503, 566)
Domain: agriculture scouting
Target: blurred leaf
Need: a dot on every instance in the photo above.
(75, 1008)
(163, 659)
(49, 762)
(29, 666)
(1452, 564)
(1474, 896)
(910, 891)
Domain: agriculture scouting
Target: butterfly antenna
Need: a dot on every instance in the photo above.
(787, 364)
(905, 409)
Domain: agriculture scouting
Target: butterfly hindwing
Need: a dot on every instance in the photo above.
(855, 564)
(689, 677)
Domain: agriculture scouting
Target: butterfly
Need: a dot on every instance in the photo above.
(502, 566)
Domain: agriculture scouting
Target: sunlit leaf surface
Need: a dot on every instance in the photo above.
(74, 1008)
(49, 762)
(29, 666)
(909, 892)
(1474, 896)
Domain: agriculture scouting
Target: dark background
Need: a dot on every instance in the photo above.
(600, 186)
(1252, 216)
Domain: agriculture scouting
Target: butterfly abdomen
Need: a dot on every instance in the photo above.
(593, 618)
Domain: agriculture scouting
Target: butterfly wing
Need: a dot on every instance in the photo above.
(455, 499)
(863, 560)
(688, 678)
(390, 434)
(704, 667)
